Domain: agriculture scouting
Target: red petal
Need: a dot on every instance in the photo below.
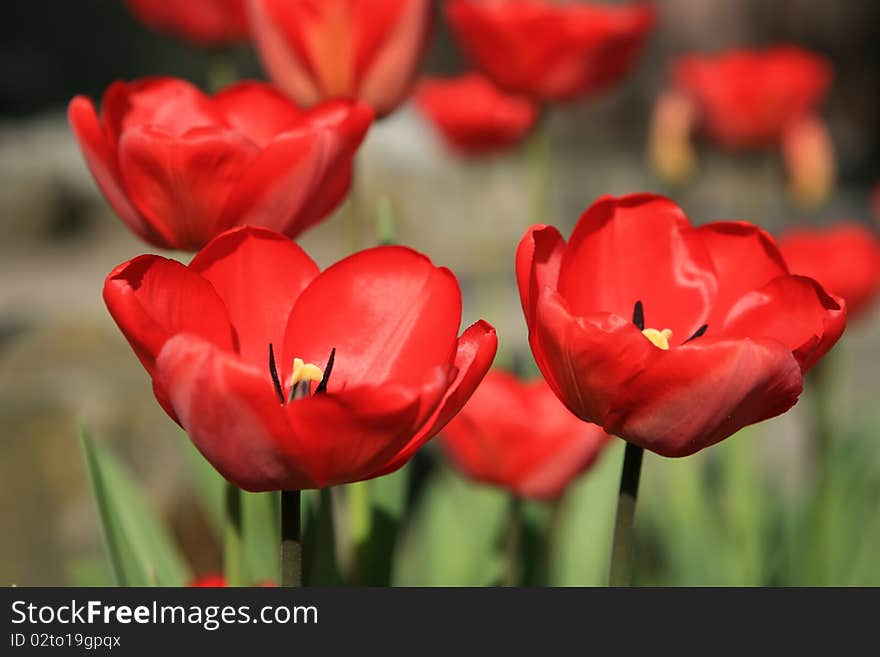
(152, 299)
(391, 314)
(171, 105)
(181, 184)
(231, 413)
(538, 258)
(693, 396)
(347, 436)
(259, 275)
(639, 248)
(476, 351)
(793, 310)
(844, 259)
(101, 159)
(519, 435)
(587, 361)
(258, 111)
(745, 258)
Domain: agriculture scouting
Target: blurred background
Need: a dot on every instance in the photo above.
(731, 516)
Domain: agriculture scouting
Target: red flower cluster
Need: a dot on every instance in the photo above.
(844, 258)
(473, 115)
(368, 50)
(551, 52)
(669, 336)
(179, 167)
(204, 22)
(518, 435)
(374, 338)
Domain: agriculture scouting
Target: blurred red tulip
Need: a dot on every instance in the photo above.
(204, 22)
(844, 258)
(353, 49)
(180, 167)
(669, 336)
(517, 435)
(551, 52)
(747, 98)
(474, 116)
(216, 580)
(204, 332)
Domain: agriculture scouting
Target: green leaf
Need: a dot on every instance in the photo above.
(140, 548)
(455, 536)
(262, 536)
(581, 547)
(320, 563)
(387, 502)
(207, 483)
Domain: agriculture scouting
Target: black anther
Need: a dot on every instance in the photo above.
(274, 372)
(322, 386)
(639, 316)
(700, 331)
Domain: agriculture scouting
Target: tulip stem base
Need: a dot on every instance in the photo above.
(233, 552)
(622, 548)
(291, 539)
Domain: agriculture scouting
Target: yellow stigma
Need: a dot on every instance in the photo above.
(303, 371)
(659, 339)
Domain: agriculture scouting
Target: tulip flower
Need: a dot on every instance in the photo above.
(204, 22)
(216, 581)
(517, 435)
(367, 50)
(179, 167)
(749, 99)
(844, 258)
(669, 336)
(474, 116)
(551, 52)
(287, 378)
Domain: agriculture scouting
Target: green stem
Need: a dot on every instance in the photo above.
(291, 539)
(513, 542)
(233, 552)
(622, 548)
(821, 384)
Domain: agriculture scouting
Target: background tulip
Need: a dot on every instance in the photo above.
(180, 167)
(354, 49)
(517, 435)
(844, 258)
(397, 374)
(474, 116)
(552, 52)
(668, 336)
(204, 22)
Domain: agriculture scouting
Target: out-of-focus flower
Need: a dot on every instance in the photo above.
(204, 22)
(473, 115)
(374, 338)
(669, 336)
(367, 50)
(517, 435)
(551, 52)
(844, 258)
(180, 167)
(216, 580)
(747, 99)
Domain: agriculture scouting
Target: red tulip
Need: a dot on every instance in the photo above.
(748, 98)
(204, 22)
(669, 336)
(354, 49)
(517, 435)
(473, 115)
(549, 51)
(205, 333)
(844, 258)
(216, 580)
(180, 167)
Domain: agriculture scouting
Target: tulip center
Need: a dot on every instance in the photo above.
(659, 339)
(301, 378)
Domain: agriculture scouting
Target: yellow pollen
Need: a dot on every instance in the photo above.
(659, 339)
(303, 371)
